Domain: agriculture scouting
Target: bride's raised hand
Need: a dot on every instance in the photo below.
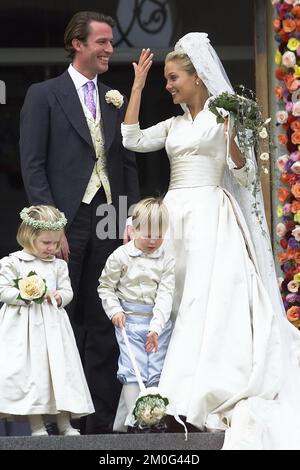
(142, 68)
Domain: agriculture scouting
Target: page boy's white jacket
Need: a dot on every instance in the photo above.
(137, 277)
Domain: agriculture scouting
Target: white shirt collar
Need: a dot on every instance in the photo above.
(79, 79)
(24, 256)
(134, 251)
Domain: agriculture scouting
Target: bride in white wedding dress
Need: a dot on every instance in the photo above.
(233, 358)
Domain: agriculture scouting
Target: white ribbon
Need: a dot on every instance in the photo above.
(139, 377)
(133, 361)
(179, 420)
(52, 300)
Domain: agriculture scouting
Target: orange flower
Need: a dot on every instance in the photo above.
(291, 255)
(294, 255)
(295, 11)
(295, 125)
(284, 178)
(279, 92)
(297, 25)
(276, 24)
(293, 313)
(282, 257)
(288, 25)
(295, 137)
(283, 194)
(295, 206)
(296, 190)
(282, 139)
(287, 178)
(291, 82)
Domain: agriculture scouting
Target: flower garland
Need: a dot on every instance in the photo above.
(287, 58)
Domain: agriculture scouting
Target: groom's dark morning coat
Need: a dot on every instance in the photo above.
(57, 153)
(57, 160)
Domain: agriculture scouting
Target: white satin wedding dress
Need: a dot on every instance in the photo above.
(225, 365)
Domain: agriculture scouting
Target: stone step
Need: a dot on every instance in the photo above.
(128, 442)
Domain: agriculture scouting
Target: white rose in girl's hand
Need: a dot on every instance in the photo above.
(32, 287)
(114, 97)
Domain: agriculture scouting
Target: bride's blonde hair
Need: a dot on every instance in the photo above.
(183, 59)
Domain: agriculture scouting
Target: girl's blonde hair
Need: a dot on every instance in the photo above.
(151, 217)
(38, 219)
(183, 59)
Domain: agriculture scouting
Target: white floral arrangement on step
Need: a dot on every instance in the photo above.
(114, 97)
(32, 288)
(150, 407)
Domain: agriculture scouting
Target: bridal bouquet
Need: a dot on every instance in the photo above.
(246, 115)
(31, 288)
(150, 407)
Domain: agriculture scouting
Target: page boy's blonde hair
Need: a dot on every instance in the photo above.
(150, 217)
(37, 219)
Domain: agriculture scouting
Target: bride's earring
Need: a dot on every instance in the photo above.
(197, 82)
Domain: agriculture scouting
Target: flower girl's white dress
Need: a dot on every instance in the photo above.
(227, 360)
(40, 367)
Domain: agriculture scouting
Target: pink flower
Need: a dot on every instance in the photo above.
(296, 108)
(296, 233)
(295, 156)
(293, 286)
(289, 59)
(296, 168)
(293, 313)
(280, 230)
(289, 106)
(286, 209)
(280, 163)
(281, 117)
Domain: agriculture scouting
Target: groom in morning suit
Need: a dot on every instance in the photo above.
(72, 157)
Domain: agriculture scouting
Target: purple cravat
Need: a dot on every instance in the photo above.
(89, 97)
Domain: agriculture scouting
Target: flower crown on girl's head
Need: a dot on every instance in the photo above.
(42, 224)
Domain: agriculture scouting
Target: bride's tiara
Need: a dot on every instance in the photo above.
(42, 224)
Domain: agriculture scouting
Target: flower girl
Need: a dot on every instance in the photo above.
(40, 367)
